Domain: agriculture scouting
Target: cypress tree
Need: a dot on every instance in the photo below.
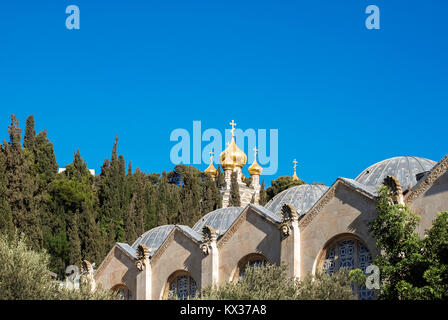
(111, 197)
(20, 187)
(235, 200)
(130, 222)
(190, 193)
(89, 236)
(210, 196)
(6, 224)
(220, 182)
(262, 200)
(139, 204)
(30, 133)
(73, 240)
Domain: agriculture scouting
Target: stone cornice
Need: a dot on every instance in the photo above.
(439, 169)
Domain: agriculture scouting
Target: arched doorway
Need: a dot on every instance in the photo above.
(248, 261)
(181, 284)
(347, 251)
(123, 291)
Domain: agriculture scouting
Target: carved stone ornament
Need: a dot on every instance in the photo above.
(395, 189)
(285, 229)
(289, 215)
(208, 236)
(142, 254)
(86, 268)
(86, 277)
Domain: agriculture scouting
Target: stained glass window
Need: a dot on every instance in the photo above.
(183, 286)
(122, 292)
(350, 254)
(251, 264)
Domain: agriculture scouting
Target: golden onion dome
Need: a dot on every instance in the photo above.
(232, 156)
(255, 168)
(211, 170)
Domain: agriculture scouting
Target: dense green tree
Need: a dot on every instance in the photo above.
(220, 181)
(280, 184)
(20, 186)
(6, 223)
(111, 197)
(189, 180)
(30, 133)
(410, 267)
(234, 199)
(74, 256)
(211, 198)
(262, 201)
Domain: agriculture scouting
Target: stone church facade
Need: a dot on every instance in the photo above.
(307, 227)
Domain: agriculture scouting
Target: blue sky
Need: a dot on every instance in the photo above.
(342, 97)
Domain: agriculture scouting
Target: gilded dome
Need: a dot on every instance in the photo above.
(255, 168)
(211, 170)
(232, 156)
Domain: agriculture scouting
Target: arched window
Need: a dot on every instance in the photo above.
(348, 252)
(122, 291)
(182, 285)
(249, 261)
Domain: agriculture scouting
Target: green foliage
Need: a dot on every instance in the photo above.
(410, 267)
(281, 184)
(326, 287)
(24, 275)
(234, 199)
(20, 185)
(357, 276)
(270, 282)
(262, 201)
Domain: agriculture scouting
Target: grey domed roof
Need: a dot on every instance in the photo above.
(154, 238)
(404, 169)
(219, 219)
(301, 197)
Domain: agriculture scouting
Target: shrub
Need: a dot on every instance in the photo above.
(24, 275)
(270, 282)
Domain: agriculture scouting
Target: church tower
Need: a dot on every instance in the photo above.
(233, 159)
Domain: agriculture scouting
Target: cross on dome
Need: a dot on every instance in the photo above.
(233, 124)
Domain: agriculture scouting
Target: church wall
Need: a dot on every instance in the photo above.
(118, 268)
(434, 200)
(347, 212)
(253, 235)
(181, 253)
